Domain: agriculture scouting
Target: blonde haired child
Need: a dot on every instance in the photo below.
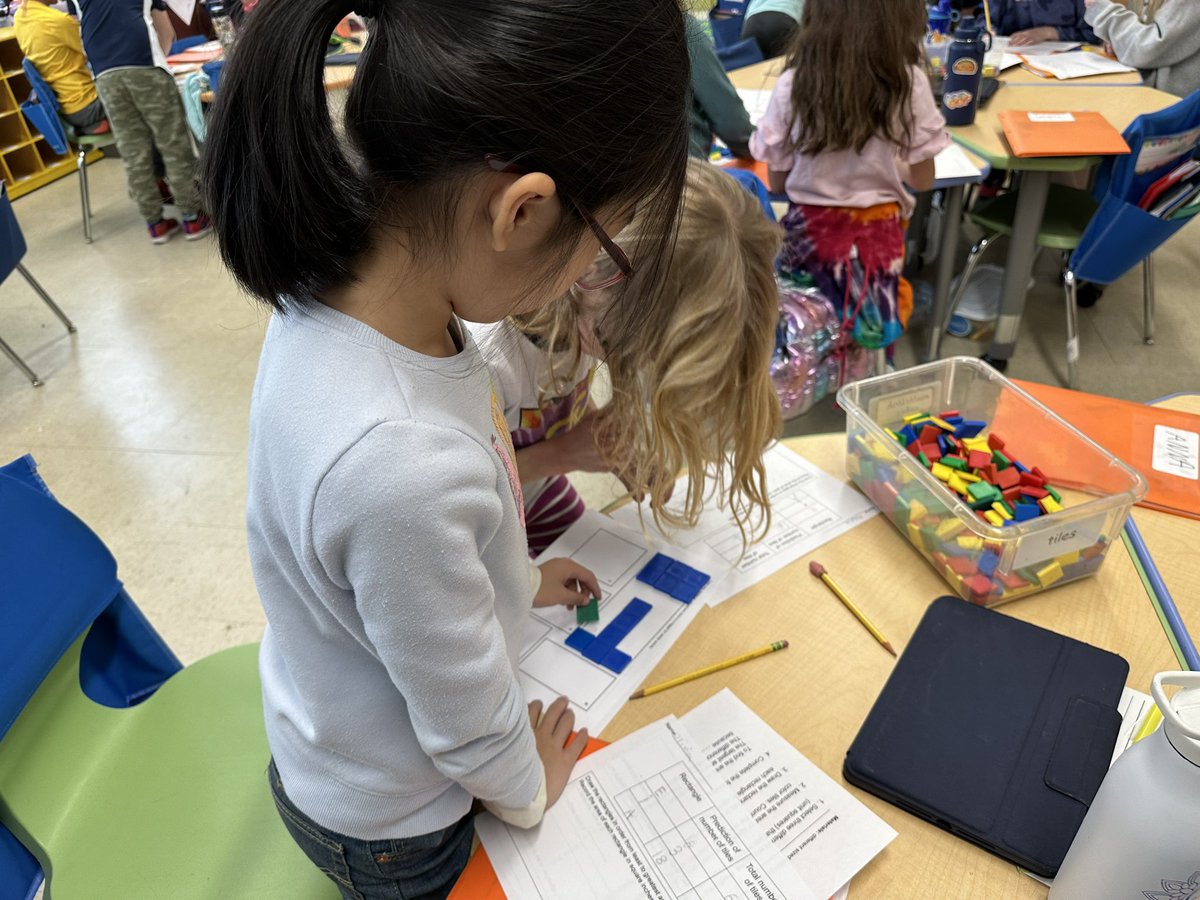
(850, 123)
(691, 390)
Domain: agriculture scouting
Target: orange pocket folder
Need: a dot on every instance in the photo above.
(1047, 133)
(1127, 430)
(478, 880)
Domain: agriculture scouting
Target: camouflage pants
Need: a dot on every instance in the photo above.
(144, 110)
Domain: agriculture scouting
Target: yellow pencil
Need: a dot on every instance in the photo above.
(1149, 724)
(708, 670)
(819, 570)
(987, 16)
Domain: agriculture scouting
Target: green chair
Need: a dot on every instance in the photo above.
(166, 800)
(67, 135)
(1068, 212)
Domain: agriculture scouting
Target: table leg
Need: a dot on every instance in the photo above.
(1022, 248)
(951, 225)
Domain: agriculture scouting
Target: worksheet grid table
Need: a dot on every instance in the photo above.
(681, 833)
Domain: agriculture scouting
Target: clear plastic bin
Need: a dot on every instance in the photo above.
(986, 564)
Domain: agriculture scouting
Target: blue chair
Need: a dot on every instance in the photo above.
(61, 134)
(123, 661)
(187, 43)
(1102, 234)
(174, 783)
(12, 249)
(739, 55)
(726, 24)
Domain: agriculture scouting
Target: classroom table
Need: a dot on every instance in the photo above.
(817, 693)
(1120, 104)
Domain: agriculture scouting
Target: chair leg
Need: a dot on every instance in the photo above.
(973, 260)
(1069, 286)
(20, 363)
(1148, 299)
(41, 292)
(85, 199)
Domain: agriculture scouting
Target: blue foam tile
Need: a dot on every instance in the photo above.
(1023, 512)
(616, 661)
(969, 428)
(653, 569)
(598, 650)
(580, 640)
(1020, 468)
(987, 563)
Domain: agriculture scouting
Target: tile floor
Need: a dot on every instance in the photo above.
(141, 425)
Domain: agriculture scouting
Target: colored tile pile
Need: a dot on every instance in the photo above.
(984, 473)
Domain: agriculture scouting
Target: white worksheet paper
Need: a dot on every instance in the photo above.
(1065, 66)
(755, 102)
(615, 554)
(1004, 45)
(823, 831)
(641, 819)
(953, 163)
(808, 509)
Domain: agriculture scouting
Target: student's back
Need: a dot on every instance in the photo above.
(50, 40)
(1035, 21)
(119, 34)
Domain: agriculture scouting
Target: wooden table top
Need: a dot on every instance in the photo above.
(817, 693)
(1119, 104)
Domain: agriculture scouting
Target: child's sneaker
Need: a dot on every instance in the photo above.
(196, 227)
(161, 231)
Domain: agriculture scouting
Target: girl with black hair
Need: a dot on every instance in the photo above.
(490, 148)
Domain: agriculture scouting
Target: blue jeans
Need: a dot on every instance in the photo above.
(414, 868)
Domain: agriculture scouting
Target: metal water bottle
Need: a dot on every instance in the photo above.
(1141, 836)
(964, 71)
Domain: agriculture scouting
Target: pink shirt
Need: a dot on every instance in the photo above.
(845, 178)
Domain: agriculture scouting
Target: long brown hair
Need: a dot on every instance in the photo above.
(693, 391)
(853, 73)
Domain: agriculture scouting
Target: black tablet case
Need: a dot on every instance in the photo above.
(995, 730)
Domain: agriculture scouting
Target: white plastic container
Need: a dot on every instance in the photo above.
(1019, 558)
(1141, 837)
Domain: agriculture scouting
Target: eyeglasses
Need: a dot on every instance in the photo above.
(624, 268)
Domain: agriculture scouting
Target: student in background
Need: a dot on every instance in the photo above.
(1035, 21)
(716, 107)
(696, 395)
(850, 126)
(50, 40)
(126, 42)
(1162, 36)
(772, 23)
(384, 509)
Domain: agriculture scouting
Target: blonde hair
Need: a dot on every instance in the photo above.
(692, 387)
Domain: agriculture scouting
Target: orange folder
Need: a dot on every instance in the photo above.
(1126, 430)
(1048, 133)
(478, 880)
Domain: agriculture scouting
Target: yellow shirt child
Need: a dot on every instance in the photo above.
(50, 40)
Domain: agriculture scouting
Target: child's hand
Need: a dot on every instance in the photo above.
(551, 731)
(1033, 36)
(566, 583)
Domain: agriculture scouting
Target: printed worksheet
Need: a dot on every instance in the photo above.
(551, 667)
(642, 819)
(755, 102)
(808, 509)
(823, 831)
(1004, 45)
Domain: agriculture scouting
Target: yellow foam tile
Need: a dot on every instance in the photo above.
(915, 417)
(1068, 559)
(1049, 574)
(1001, 511)
(914, 535)
(956, 483)
(950, 527)
(916, 510)
(993, 517)
(940, 472)
(970, 542)
(942, 424)
(968, 477)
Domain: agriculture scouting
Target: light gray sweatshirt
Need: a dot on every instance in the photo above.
(1169, 46)
(384, 521)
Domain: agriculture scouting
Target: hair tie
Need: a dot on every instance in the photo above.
(368, 9)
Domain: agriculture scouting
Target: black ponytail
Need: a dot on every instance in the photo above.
(595, 94)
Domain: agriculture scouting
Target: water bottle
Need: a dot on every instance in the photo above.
(1141, 837)
(964, 71)
(221, 13)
